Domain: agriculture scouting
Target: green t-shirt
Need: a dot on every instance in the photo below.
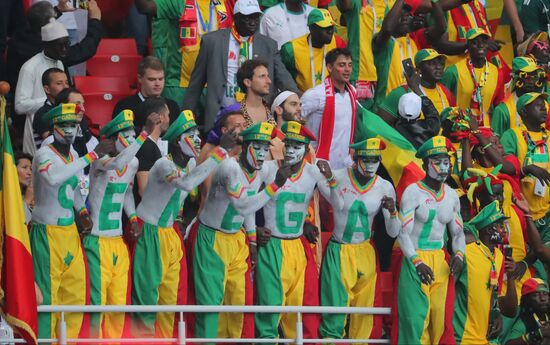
(166, 39)
(534, 16)
(500, 119)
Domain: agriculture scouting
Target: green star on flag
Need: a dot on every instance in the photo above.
(318, 77)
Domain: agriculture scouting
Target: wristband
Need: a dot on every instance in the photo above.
(133, 218)
(475, 131)
(90, 157)
(271, 189)
(394, 214)
(253, 242)
(218, 154)
(83, 211)
(332, 182)
(416, 260)
(460, 254)
(142, 137)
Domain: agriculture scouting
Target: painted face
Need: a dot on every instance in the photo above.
(294, 152)
(256, 153)
(497, 232)
(368, 166)
(65, 133)
(439, 168)
(190, 142)
(124, 139)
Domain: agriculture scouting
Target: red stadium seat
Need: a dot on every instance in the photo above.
(101, 94)
(119, 46)
(121, 66)
(98, 84)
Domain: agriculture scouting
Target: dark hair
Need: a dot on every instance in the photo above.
(150, 62)
(19, 155)
(335, 53)
(246, 71)
(151, 105)
(63, 96)
(37, 15)
(225, 118)
(46, 76)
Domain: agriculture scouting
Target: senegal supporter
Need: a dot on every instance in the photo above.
(430, 66)
(474, 81)
(526, 77)
(285, 21)
(530, 143)
(304, 57)
(394, 44)
(181, 25)
(414, 129)
(479, 298)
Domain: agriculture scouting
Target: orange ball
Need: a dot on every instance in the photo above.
(4, 88)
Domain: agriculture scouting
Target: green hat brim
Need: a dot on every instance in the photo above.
(176, 130)
(296, 137)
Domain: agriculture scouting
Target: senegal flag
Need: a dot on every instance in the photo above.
(17, 276)
(398, 158)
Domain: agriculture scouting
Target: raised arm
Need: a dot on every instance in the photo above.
(124, 157)
(389, 23)
(434, 32)
(147, 7)
(344, 5)
(199, 173)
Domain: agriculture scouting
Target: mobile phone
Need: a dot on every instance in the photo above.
(508, 251)
(408, 67)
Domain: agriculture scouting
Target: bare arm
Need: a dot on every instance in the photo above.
(389, 24)
(392, 222)
(142, 178)
(129, 202)
(198, 174)
(407, 213)
(57, 174)
(512, 11)
(456, 229)
(434, 33)
(448, 5)
(124, 157)
(344, 5)
(444, 46)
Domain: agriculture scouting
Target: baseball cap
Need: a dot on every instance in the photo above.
(533, 285)
(476, 32)
(426, 55)
(529, 98)
(525, 64)
(247, 7)
(410, 106)
(320, 17)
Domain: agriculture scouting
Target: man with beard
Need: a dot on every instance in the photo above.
(526, 77)
(480, 298)
(428, 209)
(159, 273)
(304, 57)
(350, 264)
(474, 81)
(531, 325)
(530, 144)
(253, 79)
(234, 45)
(286, 271)
(58, 260)
(221, 251)
(426, 82)
(286, 107)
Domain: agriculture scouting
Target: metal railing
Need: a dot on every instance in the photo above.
(181, 309)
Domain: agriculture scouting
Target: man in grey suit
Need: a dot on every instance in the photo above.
(222, 52)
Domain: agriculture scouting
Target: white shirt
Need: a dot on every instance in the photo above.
(283, 25)
(30, 95)
(232, 68)
(313, 105)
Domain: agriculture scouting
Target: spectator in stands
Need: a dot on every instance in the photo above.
(243, 44)
(530, 144)
(151, 83)
(330, 109)
(179, 53)
(430, 66)
(150, 151)
(285, 21)
(480, 296)
(304, 57)
(54, 80)
(475, 82)
(23, 161)
(409, 124)
(534, 16)
(27, 43)
(286, 107)
(398, 40)
(29, 93)
(526, 77)
(67, 17)
(253, 79)
(530, 325)
(230, 119)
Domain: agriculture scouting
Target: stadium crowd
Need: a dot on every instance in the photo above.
(290, 152)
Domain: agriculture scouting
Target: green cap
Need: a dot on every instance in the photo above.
(525, 64)
(434, 146)
(529, 98)
(263, 131)
(320, 17)
(184, 122)
(426, 55)
(476, 32)
(369, 147)
(490, 214)
(296, 131)
(64, 113)
(124, 120)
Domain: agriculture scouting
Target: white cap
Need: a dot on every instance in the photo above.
(280, 99)
(53, 30)
(247, 7)
(410, 106)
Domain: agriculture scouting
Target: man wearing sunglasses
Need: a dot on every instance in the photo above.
(526, 77)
